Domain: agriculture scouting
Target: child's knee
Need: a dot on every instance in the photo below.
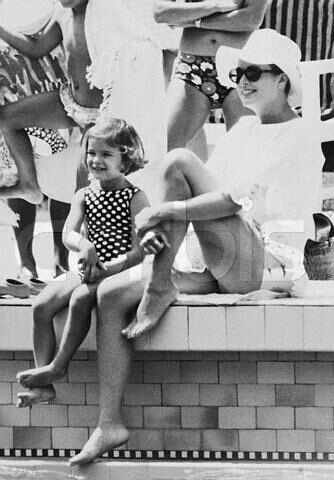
(80, 299)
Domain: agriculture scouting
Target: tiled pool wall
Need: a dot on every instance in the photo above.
(235, 401)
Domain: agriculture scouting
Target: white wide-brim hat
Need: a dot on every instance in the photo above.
(26, 16)
(264, 46)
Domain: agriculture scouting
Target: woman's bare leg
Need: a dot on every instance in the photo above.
(43, 110)
(233, 251)
(24, 234)
(58, 214)
(117, 299)
(188, 109)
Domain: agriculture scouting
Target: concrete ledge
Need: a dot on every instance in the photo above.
(276, 325)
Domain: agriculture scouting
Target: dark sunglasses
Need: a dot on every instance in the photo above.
(253, 73)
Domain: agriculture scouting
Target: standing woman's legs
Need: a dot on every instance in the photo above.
(188, 110)
(117, 299)
(58, 214)
(24, 234)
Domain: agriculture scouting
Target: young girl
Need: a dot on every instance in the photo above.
(106, 208)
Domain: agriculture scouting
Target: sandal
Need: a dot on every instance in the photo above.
(36, 285)
(16, 288)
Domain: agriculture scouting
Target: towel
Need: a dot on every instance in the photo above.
(127, 64)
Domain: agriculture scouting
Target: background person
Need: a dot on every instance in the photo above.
(194, 89)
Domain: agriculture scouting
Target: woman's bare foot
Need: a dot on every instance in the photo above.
(36, 395)
(37, 377)
(31, 194)
(104, 438)
(153, 305)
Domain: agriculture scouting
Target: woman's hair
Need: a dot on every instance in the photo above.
(276, 71)
(117, 133)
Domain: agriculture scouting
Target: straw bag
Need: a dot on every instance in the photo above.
(319, 253)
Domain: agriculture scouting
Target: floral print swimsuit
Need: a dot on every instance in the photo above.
(200, 72)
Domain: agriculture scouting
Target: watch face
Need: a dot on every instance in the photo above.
(33, 16)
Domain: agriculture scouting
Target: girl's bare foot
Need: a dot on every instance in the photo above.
(153, 305)
(36, 395)
(104, 438)
(37, 377)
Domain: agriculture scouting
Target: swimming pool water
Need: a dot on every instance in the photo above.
(165, 470)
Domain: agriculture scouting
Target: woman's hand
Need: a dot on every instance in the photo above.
(261, 295)
(153, 242)
(150, 217)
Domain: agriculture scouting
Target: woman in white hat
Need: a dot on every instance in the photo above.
(268, 168)
(251, 205)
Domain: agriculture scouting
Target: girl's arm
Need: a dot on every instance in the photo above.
(136, 254)
(247, 18)
(175, 13)
(34, 47)
(73, 240)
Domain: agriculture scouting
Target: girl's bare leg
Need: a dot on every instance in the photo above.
(43, 110)
(50, 301)
(117, 299)
(232, 250)
(76, 328)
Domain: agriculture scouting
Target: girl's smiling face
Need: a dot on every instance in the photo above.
(103, 161)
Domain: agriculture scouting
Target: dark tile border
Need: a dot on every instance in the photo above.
(175, 455)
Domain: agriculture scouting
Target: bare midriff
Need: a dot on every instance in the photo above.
(206, 42)
(200, 41)
(77, 61)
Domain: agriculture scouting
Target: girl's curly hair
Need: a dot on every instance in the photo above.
(117, 133)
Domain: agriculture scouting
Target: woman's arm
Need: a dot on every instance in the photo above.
(34, 47)
(136, 254)
(175, 13)
(208, 206)
(247, 18)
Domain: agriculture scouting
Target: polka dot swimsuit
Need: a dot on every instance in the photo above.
(108, 218)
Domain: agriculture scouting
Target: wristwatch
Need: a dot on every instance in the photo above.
(198, 23)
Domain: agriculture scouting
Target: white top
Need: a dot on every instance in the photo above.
(27, 17)
(275, 172)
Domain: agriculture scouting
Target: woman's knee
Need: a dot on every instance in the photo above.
(177, 162)
(43, 311)
(111, 296)
(119, 293)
